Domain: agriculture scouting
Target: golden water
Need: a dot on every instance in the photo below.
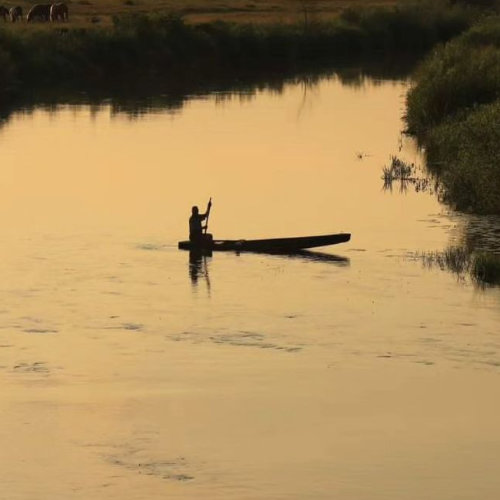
(127, 373)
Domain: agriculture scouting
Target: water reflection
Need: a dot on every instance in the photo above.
(419, 185)
(277, 148)
(137, 98)
(477, 232)
(198, 267)
(284, 343)
(313, 256)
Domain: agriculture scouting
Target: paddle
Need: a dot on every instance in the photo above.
(209, 206)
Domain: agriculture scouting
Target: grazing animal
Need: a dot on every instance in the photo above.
(59, 12)
(4, 12)
(39, 11)
(16, 13)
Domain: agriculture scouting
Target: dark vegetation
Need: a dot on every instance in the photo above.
(454, 109)
(482, 267)
(406, 175)
(486, 268)
(156, 45)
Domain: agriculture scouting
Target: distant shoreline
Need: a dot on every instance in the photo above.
(164, 46)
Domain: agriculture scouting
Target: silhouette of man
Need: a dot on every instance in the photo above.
(195, 224)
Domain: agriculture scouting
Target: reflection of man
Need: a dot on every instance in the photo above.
(198, 268)
(195, 224)
(195, 266)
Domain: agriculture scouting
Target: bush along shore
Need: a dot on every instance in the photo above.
(454, 110)
(165, 45)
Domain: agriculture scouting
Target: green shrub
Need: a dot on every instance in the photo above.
(454, 109)
(466, 153)
(458, 76)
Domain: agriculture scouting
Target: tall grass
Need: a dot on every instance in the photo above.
(454, 109)
(457, 77)
(455, 259)
(466, 152)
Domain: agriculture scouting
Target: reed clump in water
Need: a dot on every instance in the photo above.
(398, 170)
(482, 267)
(406, 175)
(455, 259)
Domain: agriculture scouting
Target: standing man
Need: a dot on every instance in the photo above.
(195, 224)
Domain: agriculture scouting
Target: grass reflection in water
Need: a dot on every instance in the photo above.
(482, 267)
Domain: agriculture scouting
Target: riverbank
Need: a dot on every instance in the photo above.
(85, 12)
(167, 46)
(454, 110)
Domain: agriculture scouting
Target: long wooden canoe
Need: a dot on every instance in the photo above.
(273, 245)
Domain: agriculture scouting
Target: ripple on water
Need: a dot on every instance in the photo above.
(137, 327)
(164, 469)
(151, 246)
(36, 326)
(40, 330)
(236, 339)
(39, 367)
(141, 458)
(132, 326)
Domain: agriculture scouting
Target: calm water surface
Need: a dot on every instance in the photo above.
(128, 372)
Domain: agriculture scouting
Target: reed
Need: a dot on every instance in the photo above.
(406, 175)
(465, 152)
(456, 259)
(398, 170)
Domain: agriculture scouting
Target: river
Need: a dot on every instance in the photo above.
(129, 372)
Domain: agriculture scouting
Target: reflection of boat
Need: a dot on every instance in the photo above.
(314, 256)
(273, 245)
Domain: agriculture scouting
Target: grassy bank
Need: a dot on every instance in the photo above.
(167, 45)
(85, 12)
(454, 109)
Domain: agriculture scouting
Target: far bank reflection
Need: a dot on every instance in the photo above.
(314, 256)
(137, 98)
